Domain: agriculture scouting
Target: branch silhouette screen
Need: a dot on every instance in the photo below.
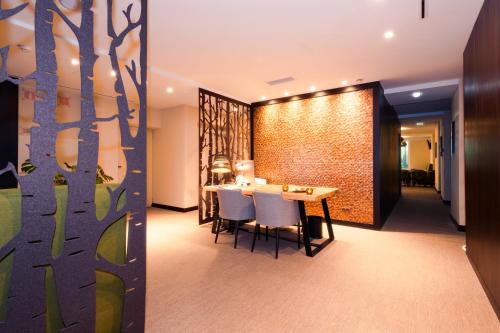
(72, 256)
(224, 129)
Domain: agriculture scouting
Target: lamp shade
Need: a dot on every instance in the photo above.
(221, 164)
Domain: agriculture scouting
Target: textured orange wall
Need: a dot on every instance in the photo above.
(322, 141)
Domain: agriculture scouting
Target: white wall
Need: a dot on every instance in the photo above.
(437, 164)
(175, 158)
(457, 159)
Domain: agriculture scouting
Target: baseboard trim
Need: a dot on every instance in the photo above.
(494, 305)
(173, 208)
(356, 225)
(458, 226)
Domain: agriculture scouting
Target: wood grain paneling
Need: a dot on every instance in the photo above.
(388, 131)
(482, 148)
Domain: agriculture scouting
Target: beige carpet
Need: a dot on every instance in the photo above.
(411, 277)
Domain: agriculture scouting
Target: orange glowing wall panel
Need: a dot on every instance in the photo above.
(321, 141)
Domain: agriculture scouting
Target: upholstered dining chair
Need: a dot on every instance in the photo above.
(234, 207)
(275, 212)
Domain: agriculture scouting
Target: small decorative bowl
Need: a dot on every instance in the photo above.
(285, 188)
(309, 191)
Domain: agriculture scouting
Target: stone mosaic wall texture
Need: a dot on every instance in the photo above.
(322, 141)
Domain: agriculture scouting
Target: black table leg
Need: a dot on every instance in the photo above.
(216, 216)
(305, 228)
(328, 219)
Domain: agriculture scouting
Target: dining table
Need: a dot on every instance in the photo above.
(296, 193)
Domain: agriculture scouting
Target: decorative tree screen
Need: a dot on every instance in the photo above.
(74, 245)
(224, 130)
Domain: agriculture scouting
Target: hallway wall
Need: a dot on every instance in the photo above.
(457, 159)
(419, 154)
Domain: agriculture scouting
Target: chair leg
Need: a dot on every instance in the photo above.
(267, 233)
(277, 241)
(236, 227)
(258, 232)
(217, 229)
(257, 226)
(298, 235)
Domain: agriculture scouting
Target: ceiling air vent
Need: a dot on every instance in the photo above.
(280, 81)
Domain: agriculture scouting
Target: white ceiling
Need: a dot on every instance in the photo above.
(235, 47)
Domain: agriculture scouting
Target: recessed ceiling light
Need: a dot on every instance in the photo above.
(112, 73)
(420, 123)
(344, 83)
(24, 48)
(312, 88)
(417, 94)
(170, 90)
(286, 93)
(75, 62)
(263, 98)
(389, 34)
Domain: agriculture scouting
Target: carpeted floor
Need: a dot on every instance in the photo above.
(411, 277)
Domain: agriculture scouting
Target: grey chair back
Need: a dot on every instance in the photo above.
(235, 206)
(274, 211)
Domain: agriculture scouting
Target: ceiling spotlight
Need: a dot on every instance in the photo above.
(286, 93)
(24, 48)
(417, 94)
(112, 73)
(312, 88)
(170, 90)
(389, 34)
(263, 98)
(344, 83)
(420, 123)
(75, 62)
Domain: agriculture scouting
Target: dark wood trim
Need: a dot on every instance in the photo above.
(252, 133)
(376, 156)
(225, 98)
(459, 227)
(489, 294)
(175, 209)
(334, 91)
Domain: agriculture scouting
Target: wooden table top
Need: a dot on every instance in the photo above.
(318, 194)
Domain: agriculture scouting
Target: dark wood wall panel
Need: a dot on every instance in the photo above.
(482, 148)
(389, 158)
(9, 93)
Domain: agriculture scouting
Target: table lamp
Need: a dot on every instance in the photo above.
(221, 165)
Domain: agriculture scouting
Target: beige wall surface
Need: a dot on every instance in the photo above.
(419, 154)
(322, 141)
(175, 158)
